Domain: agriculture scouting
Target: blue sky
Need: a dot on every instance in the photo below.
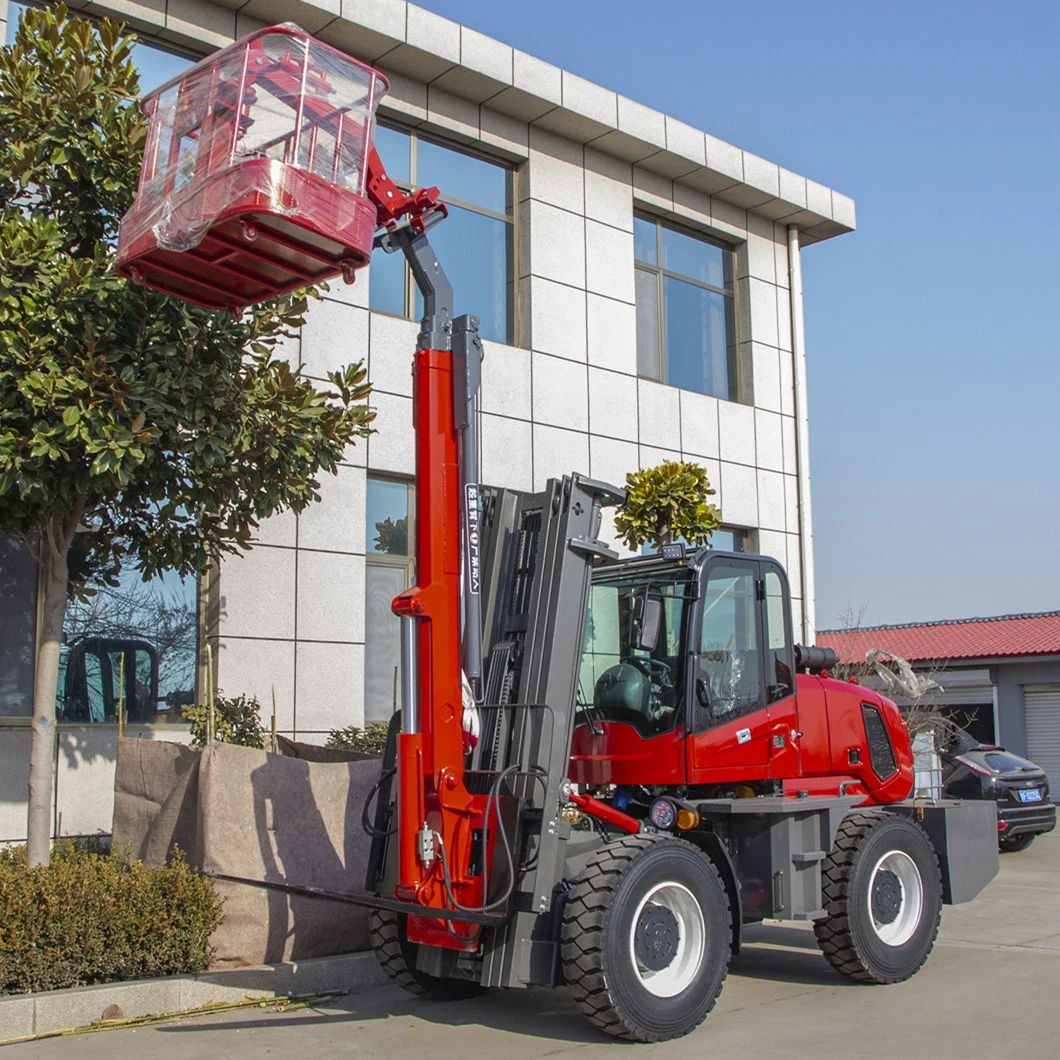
(931, 331)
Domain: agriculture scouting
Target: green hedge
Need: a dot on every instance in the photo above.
(369, 740)
(87, 917)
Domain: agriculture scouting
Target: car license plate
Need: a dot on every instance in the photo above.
(1031, 795)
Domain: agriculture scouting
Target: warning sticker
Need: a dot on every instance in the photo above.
(474, 571)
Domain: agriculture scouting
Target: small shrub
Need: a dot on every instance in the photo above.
(369, 740)
(236, 719)
(87, 917)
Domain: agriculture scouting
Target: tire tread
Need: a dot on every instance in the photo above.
(584, 917)
(834, 934)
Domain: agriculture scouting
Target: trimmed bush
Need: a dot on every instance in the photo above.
(87, 917)
(369, 740)
(236, 719)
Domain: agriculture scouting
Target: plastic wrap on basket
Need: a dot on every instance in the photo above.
(253, 180)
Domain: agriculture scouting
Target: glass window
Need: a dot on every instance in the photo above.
(387, 517)
(390, 518)
(18, 628)
(133, 647)
(474, 243)
(642, 687)
(685, 309)
(779, 657)
(728, 682)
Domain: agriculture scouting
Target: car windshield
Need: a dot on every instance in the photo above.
(1001, 761)
(617, 682)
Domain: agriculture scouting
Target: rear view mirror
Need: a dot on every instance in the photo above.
(645, 622)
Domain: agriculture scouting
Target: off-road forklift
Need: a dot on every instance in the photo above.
(602, 768)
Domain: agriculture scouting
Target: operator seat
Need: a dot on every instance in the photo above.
(623, 693)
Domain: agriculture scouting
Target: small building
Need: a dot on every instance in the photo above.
(1000, 677)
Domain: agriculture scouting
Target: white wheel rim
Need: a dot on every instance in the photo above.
(895, 928)
(688, 955)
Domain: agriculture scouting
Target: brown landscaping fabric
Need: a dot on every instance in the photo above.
(156, 794)
(274, 818)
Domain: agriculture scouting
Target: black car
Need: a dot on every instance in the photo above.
(974, 770)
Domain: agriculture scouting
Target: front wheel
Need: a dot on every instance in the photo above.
(883, 895)
(387, 934)
(646, 938)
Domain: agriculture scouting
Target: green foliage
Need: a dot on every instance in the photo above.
(168, 429)
(666, 502)
(392, 536)
(369, 740)
(236, 719)
(87, 917)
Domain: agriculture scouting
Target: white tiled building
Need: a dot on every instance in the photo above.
(635, 284)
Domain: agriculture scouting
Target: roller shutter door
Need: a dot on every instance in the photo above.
(1041, 712)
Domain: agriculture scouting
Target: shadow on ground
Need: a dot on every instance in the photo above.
(538, 1013)
(771, 952)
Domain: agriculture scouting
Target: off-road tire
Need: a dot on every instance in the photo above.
(386, 931)
(599, 919)
(847, 936)
(1014, 844)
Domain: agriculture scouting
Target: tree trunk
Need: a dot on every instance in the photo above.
(54, 547)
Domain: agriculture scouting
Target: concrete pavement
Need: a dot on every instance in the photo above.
(991, 989)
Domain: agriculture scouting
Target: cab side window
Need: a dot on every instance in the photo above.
(728, 676)
(779, 652)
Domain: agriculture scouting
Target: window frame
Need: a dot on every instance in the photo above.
(661, 273)
(509, 218)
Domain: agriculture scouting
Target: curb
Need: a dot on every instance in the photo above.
(54, 1010)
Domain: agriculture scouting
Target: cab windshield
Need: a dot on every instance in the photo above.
(640, 686)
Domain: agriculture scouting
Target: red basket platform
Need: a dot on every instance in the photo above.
(253, 176)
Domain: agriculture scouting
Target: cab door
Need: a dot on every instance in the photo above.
(730, 729)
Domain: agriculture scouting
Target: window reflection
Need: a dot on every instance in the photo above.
(697, 329)
(387, 517)
(131, 647)
(463, 177)
(18, 627)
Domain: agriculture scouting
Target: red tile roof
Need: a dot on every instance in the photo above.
(962, 638)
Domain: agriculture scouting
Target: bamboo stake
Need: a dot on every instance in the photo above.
(121, 695)
(209, 695)
(290, 1003)
(275, 742)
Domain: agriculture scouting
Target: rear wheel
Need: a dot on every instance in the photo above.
(387, 933)
(883, 894)
(646, 937)
(1015, 843)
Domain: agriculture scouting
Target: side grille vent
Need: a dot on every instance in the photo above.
(881, 753)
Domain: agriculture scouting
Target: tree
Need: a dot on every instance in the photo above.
(162, 431)
(666, 502)
(392, 536)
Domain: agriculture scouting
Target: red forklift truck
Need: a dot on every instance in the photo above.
(602, 768)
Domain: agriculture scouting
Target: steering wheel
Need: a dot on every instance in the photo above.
(654, 669)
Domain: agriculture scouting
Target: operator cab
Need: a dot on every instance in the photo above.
(699, 645)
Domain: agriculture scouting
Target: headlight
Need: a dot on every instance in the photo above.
(663, 813)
